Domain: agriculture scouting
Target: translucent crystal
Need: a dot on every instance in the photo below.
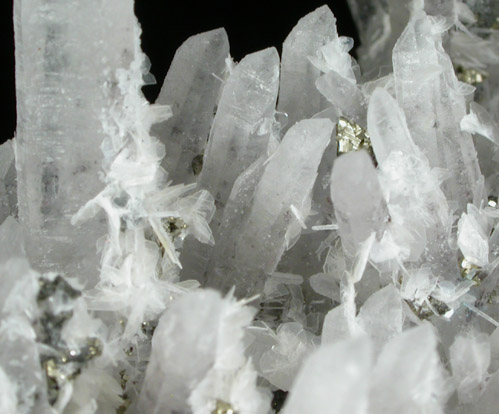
(239, 136)
(428, 91)
(63, 92)
(191, 347)
(298, 74)
(470, 359)
(191, 88)
(396, 383)
(273, 221)
(358, 200)
(334, 378)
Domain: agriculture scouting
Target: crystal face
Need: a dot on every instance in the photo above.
(297, 234)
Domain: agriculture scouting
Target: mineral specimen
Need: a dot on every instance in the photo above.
(337, 253)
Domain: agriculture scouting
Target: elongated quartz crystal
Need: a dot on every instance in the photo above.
(191, 88)
(66, 80)
(277, 212)
(239, 136)
(430, 95)
(298, 74)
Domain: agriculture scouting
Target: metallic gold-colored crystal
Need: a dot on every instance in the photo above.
(175, 226)
(350, 136)
(470, 271)
(427, 309)
(223, 408)
(123, 379)
(471, 76)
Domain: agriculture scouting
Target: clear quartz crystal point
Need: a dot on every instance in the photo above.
(191, 88)
(274, 219)
(239, 136)
(358, 200)
(66, 81)
(429, 93)
(298, 96)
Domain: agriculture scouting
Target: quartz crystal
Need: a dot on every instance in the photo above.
(275, 216)
(294, 234)
(425, 84)
(239, 136)
(191, 88)
(63, 91)
(358, 200)
(298, 74)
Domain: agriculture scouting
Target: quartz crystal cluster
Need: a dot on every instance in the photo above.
(294, 233)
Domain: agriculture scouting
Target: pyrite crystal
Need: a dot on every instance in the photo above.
(225, 249)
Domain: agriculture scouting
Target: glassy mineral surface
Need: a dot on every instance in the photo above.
(294, 233)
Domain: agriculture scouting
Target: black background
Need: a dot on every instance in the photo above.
(251, 26)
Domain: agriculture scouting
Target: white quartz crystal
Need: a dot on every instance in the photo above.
(239, 136)
(66, 80)
(335, 376)
(298, 97)
(433, 101)
(272, 223)
(359, 204)
(191, 88)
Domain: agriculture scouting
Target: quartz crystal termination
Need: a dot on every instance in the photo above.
(298, 74)
(276, 213)
(66, 80)
(430, 95)
(239, 136)
(191, 89)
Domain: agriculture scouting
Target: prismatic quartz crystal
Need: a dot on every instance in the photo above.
(285, 234)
